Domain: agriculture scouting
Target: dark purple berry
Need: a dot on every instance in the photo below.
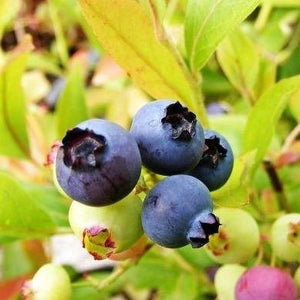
(98, 163)
(216, 163)
(169, 137)
(178, 211)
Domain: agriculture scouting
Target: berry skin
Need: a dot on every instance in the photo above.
(98, 163)
(285, 237)
(225, 280)
(107, 230)
(237, 239)
(266, 283)
(178, 211)
(50, 282)
(169, 137)
(216, 163)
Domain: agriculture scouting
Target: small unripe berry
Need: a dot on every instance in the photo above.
(285, 237)
(237, 239)
(109, 229)
(50, 282)
(226, 279)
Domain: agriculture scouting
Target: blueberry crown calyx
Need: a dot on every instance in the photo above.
(213, 151)
(83, 149)
(201, 229)
(183, 121)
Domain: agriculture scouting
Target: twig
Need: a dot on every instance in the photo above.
(276, 184)
(260, 255)
(121, 269)
(291, 138)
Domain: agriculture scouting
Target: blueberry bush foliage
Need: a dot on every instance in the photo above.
(234, 63)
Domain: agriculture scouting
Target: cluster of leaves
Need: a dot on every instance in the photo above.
(58, 67)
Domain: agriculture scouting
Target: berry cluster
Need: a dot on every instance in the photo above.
(99, 163)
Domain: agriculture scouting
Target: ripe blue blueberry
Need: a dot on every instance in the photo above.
(216, 163)
(178, 211)
(169, 137)
(98, 163)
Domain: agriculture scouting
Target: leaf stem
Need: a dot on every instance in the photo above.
(277, 185)
(185, 266)
(120, 269)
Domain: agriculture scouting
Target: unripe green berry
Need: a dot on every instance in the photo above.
(226, 279)
(285, 237)
(109, 229)
(237, 239)
(50, 282)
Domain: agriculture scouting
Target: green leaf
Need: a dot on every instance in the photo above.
(185, 287)
(61, 43)
(240, 62)
(235, 192)
(291, 66)
(44, 62)
(231, 126)
(198, 258)
(264, 116)
(126, 32)
(14, 255)
(13, 130)
(273, 37)
(295, 105)
(266, 76)
(284, 3)
(19, 216)
(208, 22)
(50, 200)
(71, 106)
(153, 271)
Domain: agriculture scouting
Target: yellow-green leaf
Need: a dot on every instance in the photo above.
(240, 62)
(265, 115)
(266, 76)
(235, 193)
(20, 217)
(208, 22)
(126, 32)
(13, 130)
(71, 106)
(7, 12)
(295, 105)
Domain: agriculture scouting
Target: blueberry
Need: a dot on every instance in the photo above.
(216, 109)
(216, 163)
(169, 137)
(98, 163)
(178, 211)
